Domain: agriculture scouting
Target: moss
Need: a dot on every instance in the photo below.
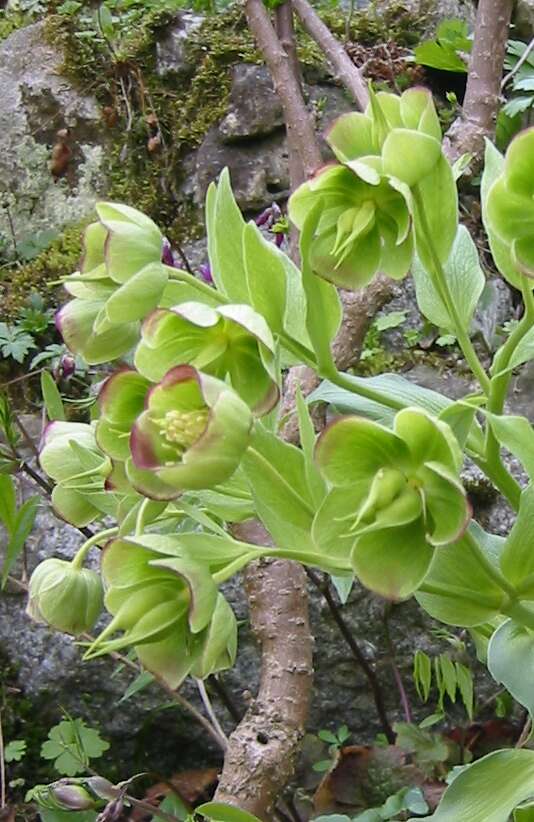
(58, 260)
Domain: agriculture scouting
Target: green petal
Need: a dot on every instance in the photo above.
(202, 589)
(393, 562)
(133, 242)
(171, 658)
(519, 164)
(121, 401)
(332, 522)
(418, 112)
(353, 449)
(410, 155)
(429, 439)
(73, 507)
(350, 136)
(218, 643)
(138, 296)
(445, 502)
(93, 243)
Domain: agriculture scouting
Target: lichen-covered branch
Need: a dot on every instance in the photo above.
(344, 69)
(483, 92)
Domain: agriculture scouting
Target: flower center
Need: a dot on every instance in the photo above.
(183, 428)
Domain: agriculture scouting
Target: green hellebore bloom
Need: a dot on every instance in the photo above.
(121, 400)
(363, 227)
(121, 279)
(398, 493)
(230, 340)
(510, 204)
(397, 136)
(64, 596)
(167, 607)
(69, 455)
(192, 435)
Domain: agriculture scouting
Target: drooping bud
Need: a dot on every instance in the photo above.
(72, 797)
(65, 597)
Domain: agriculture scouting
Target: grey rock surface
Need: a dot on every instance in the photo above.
(171, 52)
(524, 19)
(36, 103)
(254, 108)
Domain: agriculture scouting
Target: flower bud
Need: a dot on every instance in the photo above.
(65, 597)
(71, 797)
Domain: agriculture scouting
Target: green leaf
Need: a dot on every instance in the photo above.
(439, 199)
(426, 746)
(323, 312)
(15, 750)
(105, 21)
(489, 789)
(8, 502)
(517, 435)
(464, 277)
(391, 320)
(220, 812)
(174, 805)
(51, 397)
(343, 584)
(448, 676)
(48, 815)
(517, 558)
(524, 814)
(140, 682)
(328, 736)
(422, 674)
(22, 527)
(225, 226)
(72, 744)
(464, 679)
(441, 57)
(457, 590)
(511, 661)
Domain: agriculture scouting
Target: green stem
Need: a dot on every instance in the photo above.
(456, 593)
(520, 613)
(502, 480)
(502, 375)
(489, 568)
(103, 536)
(349, 384)
(442, 287)
(233, 567)
(140, 519)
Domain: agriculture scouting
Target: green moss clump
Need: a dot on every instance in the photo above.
(58, 260)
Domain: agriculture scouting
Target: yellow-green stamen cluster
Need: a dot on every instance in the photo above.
(183, 428)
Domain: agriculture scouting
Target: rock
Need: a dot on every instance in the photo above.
(36, 103)
(171, 52)
(255, 109)
(256, 152)
(524, 20)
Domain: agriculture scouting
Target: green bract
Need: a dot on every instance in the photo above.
(64, 596)
(230, 340)
(192, 434)
(168, 608)
(121, 278)
(399, 495)
(509, 204)
(364, 216)
(71, 457)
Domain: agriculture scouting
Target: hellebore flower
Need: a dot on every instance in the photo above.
(205, 272)
(509, 211)
(362, 227)
(64, 596)
(121, 279)
(271, 219)
(121, 400)
(167, 607)
(230, 340)
(398, 494)
(192, 435)
(363, 212)
(71, 457)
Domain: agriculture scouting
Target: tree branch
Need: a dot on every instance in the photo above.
(298, 121)
(259, 759)
(483, 91)
(345, 70)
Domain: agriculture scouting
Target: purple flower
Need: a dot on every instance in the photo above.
(205, 272)
(168, 256)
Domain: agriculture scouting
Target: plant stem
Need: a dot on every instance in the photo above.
(324, 587)
(210, 712)
(489, 568)
(103, 536)
(396, 673)
(140, 519)
(442, 287)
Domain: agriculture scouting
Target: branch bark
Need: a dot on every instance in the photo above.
(483, 91)
(345, 70)
(299, 124)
